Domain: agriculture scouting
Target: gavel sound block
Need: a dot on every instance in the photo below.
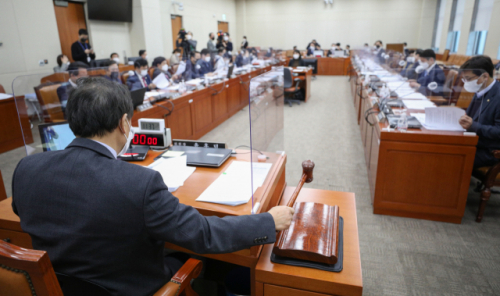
(314, 232)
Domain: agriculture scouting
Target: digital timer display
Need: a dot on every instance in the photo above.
(148, 140)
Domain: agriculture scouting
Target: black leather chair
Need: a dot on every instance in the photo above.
(292, 93)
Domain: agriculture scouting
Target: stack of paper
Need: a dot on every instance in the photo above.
(234, 186)
(418, 104)
(174, 171)
(443, 118)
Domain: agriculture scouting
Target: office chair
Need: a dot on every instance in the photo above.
(289, 89)
(488, 177)
(25, 272)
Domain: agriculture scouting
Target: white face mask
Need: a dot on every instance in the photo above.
(144, 72)
(164, 68)
(410, 59)
(129, 139)
(226, 38)
(117, 60)
(296, 56)
(472, 86)
(189, 37)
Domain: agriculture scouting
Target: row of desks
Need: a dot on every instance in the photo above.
(420, 173)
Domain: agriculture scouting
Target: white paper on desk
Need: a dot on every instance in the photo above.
(181, 68)
(5, 96)
(443, 118)
(233, 187)
(161, 81)
(418, 104)
(174, 171)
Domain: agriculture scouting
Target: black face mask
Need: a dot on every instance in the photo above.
(84, 40)
(114, 75)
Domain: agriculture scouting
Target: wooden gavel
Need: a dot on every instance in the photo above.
(313, 234)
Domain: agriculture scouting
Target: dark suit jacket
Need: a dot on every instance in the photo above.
(63, 92)
(296, 63)
(106, 220)
(435, 74)
(78, 52)
(134, 82)
(486, 122)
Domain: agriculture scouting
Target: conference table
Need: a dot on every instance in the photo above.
(420, 173)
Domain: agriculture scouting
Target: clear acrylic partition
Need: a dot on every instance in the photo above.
(40, 103)
(266, 122)
(396, 81)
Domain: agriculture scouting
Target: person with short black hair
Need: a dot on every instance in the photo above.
(76, 70)
(62, 63)
(106, 221)
(296, 60)
(112, 71)
(244, 43)
(81, 50)
(115, 57)
(428, 72)
(205, 62)
(483, 114)
(192, 69)
(141, 78)
(143, 54)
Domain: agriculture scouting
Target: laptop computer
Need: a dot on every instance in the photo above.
(55, 136)
(138, 96)
(202, 156)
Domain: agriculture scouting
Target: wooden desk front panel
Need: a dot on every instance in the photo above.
(423, 180)
(11, 136)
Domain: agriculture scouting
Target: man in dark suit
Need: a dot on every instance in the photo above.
(141, 78)
(192, 68)
(483, 114)
(429, 72)
(106, 221)
(75, 70)
(81, 50)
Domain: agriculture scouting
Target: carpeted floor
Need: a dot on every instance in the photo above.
(399, 256)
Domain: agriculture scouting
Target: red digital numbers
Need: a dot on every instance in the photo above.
(144, 140)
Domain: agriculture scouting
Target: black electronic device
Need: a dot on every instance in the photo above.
(135, 153)
(138, 96)
(110, 10)
(202, 156)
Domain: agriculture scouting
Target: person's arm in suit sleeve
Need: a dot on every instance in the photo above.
(487, 131)
(168, 220)
(77, 52)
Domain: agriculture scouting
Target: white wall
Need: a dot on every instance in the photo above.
(28, 31)
(285, 23)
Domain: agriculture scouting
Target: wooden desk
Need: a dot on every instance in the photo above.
(11, 136)
(278, 279)
(305, 84)
(420, 174)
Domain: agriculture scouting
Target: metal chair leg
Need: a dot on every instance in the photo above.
(485, 196)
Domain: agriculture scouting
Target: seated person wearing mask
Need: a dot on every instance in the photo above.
(428, 72)
(141, 78)
(192, 69)
(205, 62)
(296, 61)
(76, 70)
(160, 65)
(143, 54)
(175, 59)
(62, 63)
(112, 72)
(81, 50)
(106, 221)
(115, 57)
(483, 114)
